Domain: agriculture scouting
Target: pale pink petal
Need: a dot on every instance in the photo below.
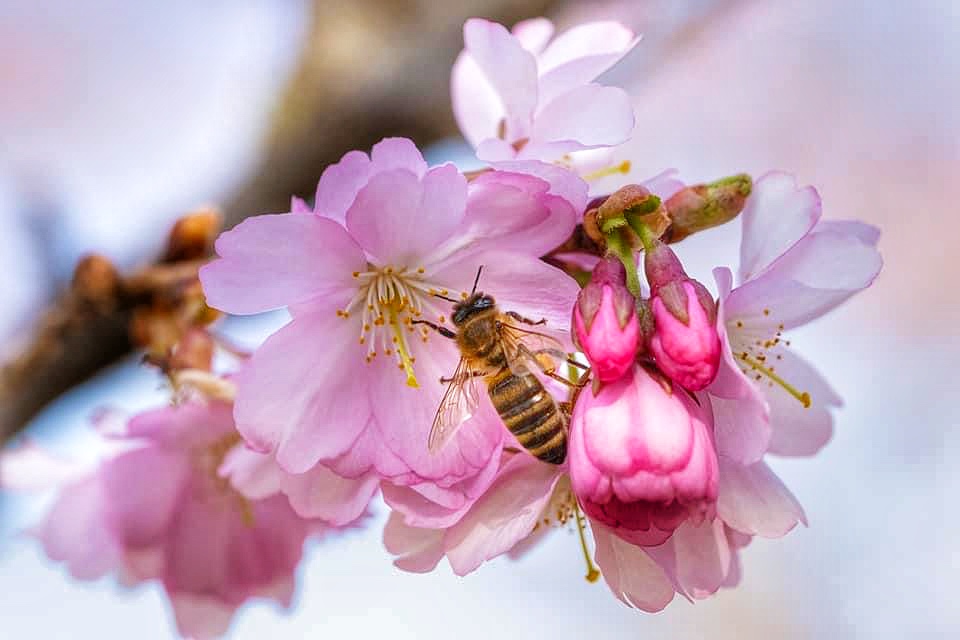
(494, 150)
(298, 395)
(753, 500)
(145, 487)
(800, 430)
(419, 550)
(533, 34)
(563, 182)
(397, 153)
(590, 39)
(701, 557)
(633, 577)
(340, 183)
(271, 261)
(589, 115)
(505, 514)
(510, 68)
(741, 414)
(777, 215)
(367, 452)
(75, 531)
(400, 220)
(818, 274)
(572, 74)
(140, 565)
(280, 591)
(255, 475)
(476, 104)
(320, 493)
(299, 205)
(866, 233)
(520, 283)
(736, 541)
(183, 426)
(201, 617)
(26, 466)
(664, 184)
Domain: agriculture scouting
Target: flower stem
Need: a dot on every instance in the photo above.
(620, 248)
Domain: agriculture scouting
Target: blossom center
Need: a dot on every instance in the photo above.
(208, 459)
(387, 301)
(757, 352)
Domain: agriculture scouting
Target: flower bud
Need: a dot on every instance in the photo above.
(605, 324)
(686, 344)
(642, 457)
(703, 206)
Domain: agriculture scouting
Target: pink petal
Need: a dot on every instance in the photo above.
(521, 283)
(76, 533)
(590, 39)
(699, 555)
(272, 261)
(664, 184)
(753, 500)
(299, 205)
(145, 488)
(505, 514)
(495, 150)
(572, 74)
(201, 617)
(563, 182)
(818, 274)
(397, 153)
(320, 493)
(302, 393)
(633, 577)
(510, 69)
(866, 233)
(340, 183)
(255, 475)
(183, 426)
(799, 430)
(777, 215)
(419, 549)
(588, 116)
(533, 34)
(26, 466)
(368, 452)
(476, 104)
(741, 414)
(399, 220)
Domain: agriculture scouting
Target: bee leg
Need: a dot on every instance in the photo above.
(519, 318)
(446, 333)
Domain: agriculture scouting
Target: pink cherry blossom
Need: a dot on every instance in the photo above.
(642, 458)
(521, 95)
(605, 324)
(160, 510)
(351, 381)
(794, 268)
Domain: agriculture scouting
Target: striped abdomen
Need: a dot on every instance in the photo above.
(530, 413)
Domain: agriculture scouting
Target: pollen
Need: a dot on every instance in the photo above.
(755, 348)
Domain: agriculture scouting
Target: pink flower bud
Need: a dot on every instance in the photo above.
(605, 325)
(686, 344)
(642, 457)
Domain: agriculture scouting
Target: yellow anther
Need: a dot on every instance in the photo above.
(802, 396)
(623, 167)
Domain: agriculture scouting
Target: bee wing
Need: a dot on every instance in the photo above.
(459, 403)
(524, 348)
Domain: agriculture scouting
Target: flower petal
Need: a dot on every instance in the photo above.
(799, 430)
(777, 215)
(320, 493)
(339, 184)
(588, 116)
(818, 274)
(399, 219)
(533, 34)
(201, 617)
(505, 514)
(183, 426)
(26, 466)
(563, 182)
(255, 475)
(753, 500)
(476, 103)
(510, 69)
(632, 575)
(419, 549)
(271, 261)
(698, 556)
(589, 39)
(301, 394)
(397, 153)
(741, 414)
(866, 233)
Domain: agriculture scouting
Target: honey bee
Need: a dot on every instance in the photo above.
(493, 347)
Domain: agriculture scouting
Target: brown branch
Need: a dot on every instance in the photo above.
(369, 69)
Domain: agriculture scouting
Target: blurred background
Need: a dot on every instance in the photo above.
(117, 117)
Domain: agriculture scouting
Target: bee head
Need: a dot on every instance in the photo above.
(473, 305)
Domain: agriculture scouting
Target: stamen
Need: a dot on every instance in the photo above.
(802, 396)
(401, 343)
(592, 572)
(623, 167)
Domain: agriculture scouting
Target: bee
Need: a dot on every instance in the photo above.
(494, 348)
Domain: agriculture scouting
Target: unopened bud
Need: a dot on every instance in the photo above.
(703, 206)
(605, 323)
(192, 236)
(624, 210)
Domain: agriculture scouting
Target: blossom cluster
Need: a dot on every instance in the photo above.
(662, 397)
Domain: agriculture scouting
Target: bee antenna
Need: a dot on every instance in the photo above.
(476, 280)
(437, 295)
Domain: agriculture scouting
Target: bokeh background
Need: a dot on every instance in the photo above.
(117, 117)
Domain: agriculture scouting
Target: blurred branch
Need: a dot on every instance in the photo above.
(369, 69)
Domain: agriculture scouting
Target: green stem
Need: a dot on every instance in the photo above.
(620, 248)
